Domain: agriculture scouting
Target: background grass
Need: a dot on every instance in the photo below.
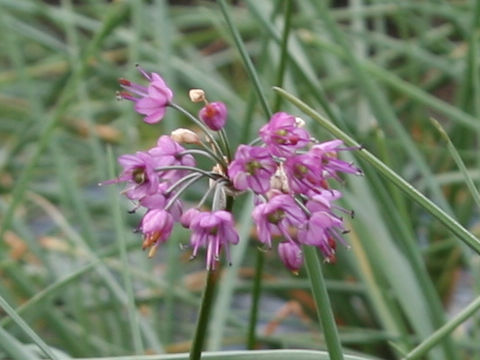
(72, 274)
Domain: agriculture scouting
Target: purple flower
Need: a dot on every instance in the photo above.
(291, 255)
(153, 99)
(156, 227)
(276, 217)
(283, 136)
(322, 231)
(327, 154)
(214, 115)
(304, 173)
(323, 201)
(212, 230)
(139, 174)
(160, 199)
(169, 153)
(252, 168)
(188, 216)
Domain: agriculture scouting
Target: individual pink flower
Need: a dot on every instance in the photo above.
(323, 230)
(160, 199)
(188, 216)
(139, 174)
(156, 227)
(304, 173)
(152, 100)
(283, 136)
(277, 217)
(326, 152)
(213, 231)
(291, 255)
(214, 115)
(170, 153)
(252, 168)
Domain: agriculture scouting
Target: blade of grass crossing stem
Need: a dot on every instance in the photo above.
(127, 278)
(457, 229)
(446, 329)
(27, 329)
(458, 160)
(242, 355)
(322, 303)
(246, 58)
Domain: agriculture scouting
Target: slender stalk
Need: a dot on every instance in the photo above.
(446, 329)
(206, 152)
(322, 303)
(204, 316)
(202, 126)
(210, 174)
(257, 287)
(226, 144)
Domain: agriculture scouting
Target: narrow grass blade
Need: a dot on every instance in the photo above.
(246, 58)
(458, 160)
(242, 355)
(27, 329)
(446, 329)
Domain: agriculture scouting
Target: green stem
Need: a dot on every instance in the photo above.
(457, 229)
(246, 58)
(257, 286)
(204, 316)
(322, 303)
(283, 54)
(446, 329)
(202, 126)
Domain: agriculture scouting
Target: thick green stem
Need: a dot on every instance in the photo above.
(204, 315)
(322, 303)
(256, 290)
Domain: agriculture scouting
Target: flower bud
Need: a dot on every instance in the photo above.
(185, 136)
(291, 255)
(214, 115)
(299, 122)
(197, 95)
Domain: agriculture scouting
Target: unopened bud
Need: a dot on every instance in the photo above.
(185, 136)
(197, 95)
(299, 122)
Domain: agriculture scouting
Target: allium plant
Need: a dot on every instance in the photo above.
(288, 170)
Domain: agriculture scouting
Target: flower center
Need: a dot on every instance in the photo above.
(252, 167)
(213, 230)
(139, 175)
(276, 216)
(300, 170)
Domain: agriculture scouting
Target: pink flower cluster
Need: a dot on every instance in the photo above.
(289, 175)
